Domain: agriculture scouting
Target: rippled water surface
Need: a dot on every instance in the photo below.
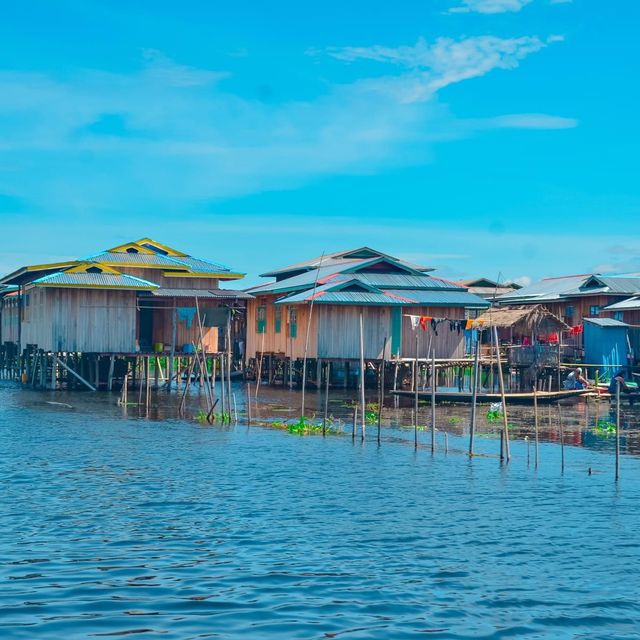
(114, 525)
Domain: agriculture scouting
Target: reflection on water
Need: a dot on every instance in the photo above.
(159, 527)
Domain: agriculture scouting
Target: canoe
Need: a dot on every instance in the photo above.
(544, 397)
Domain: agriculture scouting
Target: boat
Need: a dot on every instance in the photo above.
(543, 397)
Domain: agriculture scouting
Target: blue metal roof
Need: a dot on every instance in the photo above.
(342, 297)
(95, 280)
(606, 322)
(402, 281)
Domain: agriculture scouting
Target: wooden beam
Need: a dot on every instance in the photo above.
(73, 373)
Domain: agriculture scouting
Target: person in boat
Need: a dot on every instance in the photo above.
(575, 380)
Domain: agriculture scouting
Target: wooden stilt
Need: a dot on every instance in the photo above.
(112, 363)
(362, 374)
(434, 383)
(327, 375)
(474, 405)
(506, 454)
(381, 387)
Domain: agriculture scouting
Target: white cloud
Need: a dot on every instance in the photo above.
(490, 6)
(496, 6)
(523, 281)
(178, 135)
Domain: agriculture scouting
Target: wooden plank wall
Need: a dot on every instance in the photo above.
(9, 331)
(281, 343)
(90, 320)
(447, 344)
(339, 331)
(163, 330)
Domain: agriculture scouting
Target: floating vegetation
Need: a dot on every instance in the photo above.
(454, 420)
(605, 428)
(304, 427)
(203, 417)
(494, 415)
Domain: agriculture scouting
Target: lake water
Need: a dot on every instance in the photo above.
(114, 525)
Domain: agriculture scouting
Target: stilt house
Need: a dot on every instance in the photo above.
(140, 296)
(323, 298)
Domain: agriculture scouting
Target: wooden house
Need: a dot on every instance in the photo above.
(138, 297)
(576, 298)
(531, 333)
(315, 306)
(489, 289)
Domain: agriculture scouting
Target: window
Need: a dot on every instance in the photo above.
(618, 315)
(594, 310)
(293, 322)
(278, 318)
(261, 319)
(472, 314)
(569, 312)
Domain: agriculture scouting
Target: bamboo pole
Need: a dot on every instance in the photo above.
(561, 427)
(73, 373)
(415, 393)
(355, 422)
(362, 373)
(187, 385)
(536, 425)
(381, 383)
(248, 404)
(326, 398)
(259, 375)
(306, 338)
(474, 399)
(229, 357)
(433, 400)
(506, 453)
(618, 431)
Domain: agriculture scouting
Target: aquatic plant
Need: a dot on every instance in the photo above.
(605, 428)
(454, 420)
(371, 417)
(493, 415)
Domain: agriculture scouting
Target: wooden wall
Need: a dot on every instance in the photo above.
(339, 331)
(163, 330)
(335, 332)
(281, 343)
(9, 331)
(447, 344)
(90, 320)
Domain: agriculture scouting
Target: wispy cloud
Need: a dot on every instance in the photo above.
(169, 133)
(496, 6)
(490, 6)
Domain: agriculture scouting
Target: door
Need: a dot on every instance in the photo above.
(145, 330)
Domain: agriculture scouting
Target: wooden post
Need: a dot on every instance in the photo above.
(229, 358)
(112, 362)
(536, 422)
(223, 390)
(248, 404)
(618, 431)
(148, 388)
(381, 393)
(433, 400)
(474, 396)
(327, 375)
(355, 422)
(415, 393)
(362, 373)
(506, 454)
(174, 333)
(97, 372)
(259, 373)
(561, 438)
(73, 373)
(187, 384)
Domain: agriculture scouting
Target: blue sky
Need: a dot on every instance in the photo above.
(481, 137)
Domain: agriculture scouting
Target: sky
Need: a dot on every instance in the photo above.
(493, 138)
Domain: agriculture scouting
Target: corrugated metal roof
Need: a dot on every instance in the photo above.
(336, 259)
(144, 259)
(198, 265)
(442, 298)
(335, 274)
(342, 297)
(95, 280)
(403, 281)
(605, 322)
(163, 292)
(545, 290)
(629, 304)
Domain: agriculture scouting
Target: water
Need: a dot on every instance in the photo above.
(163, 528)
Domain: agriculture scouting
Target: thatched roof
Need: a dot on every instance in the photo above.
(525, 320)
